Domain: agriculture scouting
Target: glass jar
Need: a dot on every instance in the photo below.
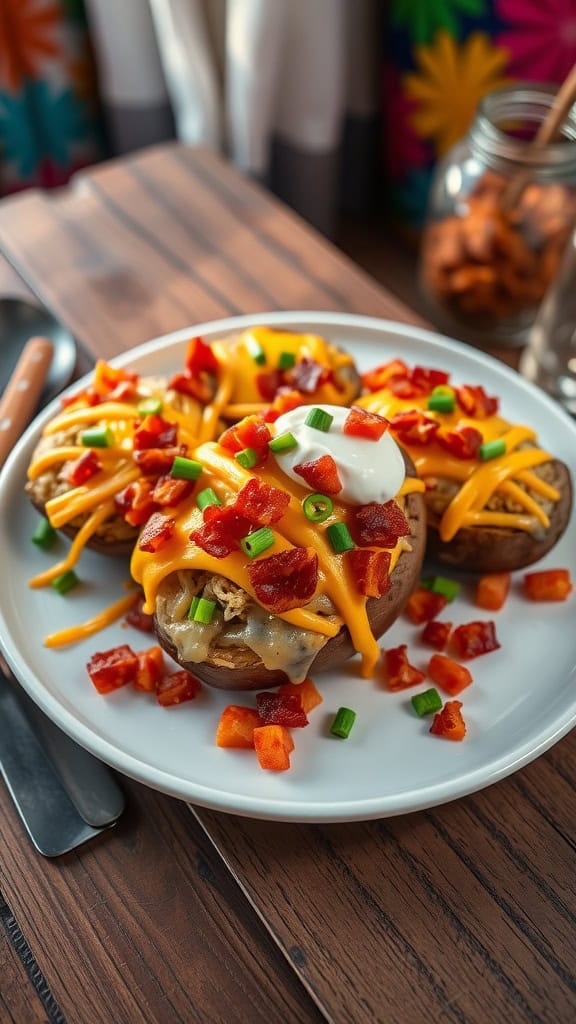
(500, 216)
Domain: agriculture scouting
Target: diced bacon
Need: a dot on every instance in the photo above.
(424, 605)
(380, 376)
(155, 432)
(157, 461)
(281, 709)
(261, 503)
(82, 469)
(107, 378)
(400, 674)
(177, 688)
(169, 491)
(475, 638)
(414, 427)
(251, 432)
(139, 619)
(88, 396)
(380, 524)
(321, 475)
(307, 376)
(150, 669)
(135, 502)
(157, 532)
(449, 722)
(222, 531)
(285, 401)
(187, 383)
(436, 634)
(200, 357)
(286, 580)
(462, 442)
(269, 383)
(361, 423)
(370, 570)
(475, 403)
(428, 379)
(109, 670)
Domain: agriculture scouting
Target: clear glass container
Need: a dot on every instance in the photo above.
(488, 257)
(550, 357)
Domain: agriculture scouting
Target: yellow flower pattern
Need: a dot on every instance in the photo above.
(450, 82)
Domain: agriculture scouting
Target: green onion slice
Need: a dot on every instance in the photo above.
(283, 443)
(319, 419)
(192, 609)
(343, 721)
(44, 535)
(448, 588)
(97, 437)
(204, 611)
(247, 458)
(150, 407)
(339, 537)
(65, 582)
(427, 702)
(207, 497)
(317, 507)
(492, 449)
(256, 351)
(441, 403)
(185, 469)
(286, 360)
(255, 543)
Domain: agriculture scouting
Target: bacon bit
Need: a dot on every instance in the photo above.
(200, 357)
(361, 423)
(321, 475)
(306, 691)
(169, 491)
(370, 570)
(82, 469)
(492, 591)
(414, 427)
(222, 531)
(269, 383)
(436, 634)
(236, 727)
(150, 669)
(251, 432)
(462, 442)
(449, 723)
(428, 379)
(475, 638)
(186, 383)
(273, 745)
(157, 461)
(88, 395)
(109, 670)
(135, 502)
(379, 377)
(176, 688)
(424, 605)
(281, 709)
(123, 392)
(400, 673)
(285, 401)
(448, 674)
(403, 387)
(107, 378)
(140, 619)
(157, 531)
(378, 524)
(307, 375)
(286, 580)
(474, 401)
(261, 503)
(548, 585)
(154, 432)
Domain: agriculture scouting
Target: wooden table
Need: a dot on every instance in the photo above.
(465, 913)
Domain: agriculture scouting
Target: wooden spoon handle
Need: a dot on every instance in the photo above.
(21, 396)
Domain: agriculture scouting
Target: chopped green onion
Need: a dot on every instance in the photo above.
(255, 543)
(319, 419)
(150, 407)
(492, 449)
(256, 351)
(441, 403)
(204, 611)
(65, 582)
(339, 537)
(247, 458)
(193, 607)
(448, 588)
(185, 469)
(283, 443)
(97, 437)
(343, 721)
(286, 360)
(317, 507)
(427, 583)
(443, 389)
(207, 497)
(427, 702)
(44, 535)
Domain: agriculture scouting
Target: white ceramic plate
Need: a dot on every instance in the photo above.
(522, 701)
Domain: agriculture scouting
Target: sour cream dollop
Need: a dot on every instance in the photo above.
(369, 470)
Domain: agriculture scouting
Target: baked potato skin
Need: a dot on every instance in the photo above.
(246, 671)
(117, 548)
(494, 549)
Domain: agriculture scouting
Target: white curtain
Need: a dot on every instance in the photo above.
(273, 84)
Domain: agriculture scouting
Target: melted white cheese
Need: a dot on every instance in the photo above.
(368, 470)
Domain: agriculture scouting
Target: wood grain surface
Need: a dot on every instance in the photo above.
(465, 913)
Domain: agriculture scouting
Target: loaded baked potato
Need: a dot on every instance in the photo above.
(288, 558)
(495, 501)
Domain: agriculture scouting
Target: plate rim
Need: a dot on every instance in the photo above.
(268, 808)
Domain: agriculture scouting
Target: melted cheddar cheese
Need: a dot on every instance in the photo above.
(477, 481)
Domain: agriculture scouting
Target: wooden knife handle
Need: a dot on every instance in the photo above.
(20, 398)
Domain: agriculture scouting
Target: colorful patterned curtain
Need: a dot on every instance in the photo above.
(49, 119)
